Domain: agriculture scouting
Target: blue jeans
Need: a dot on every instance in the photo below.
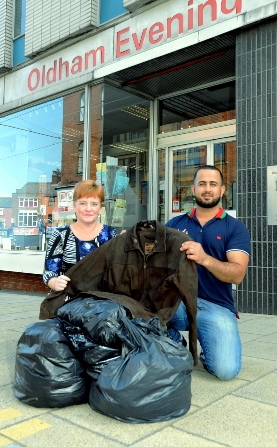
(218, 335)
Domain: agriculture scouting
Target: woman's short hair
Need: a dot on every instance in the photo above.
(88, 188)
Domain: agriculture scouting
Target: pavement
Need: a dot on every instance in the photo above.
(238, 413)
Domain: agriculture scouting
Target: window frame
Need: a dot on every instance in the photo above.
(24, 219)
(26, 202)
(19, 37)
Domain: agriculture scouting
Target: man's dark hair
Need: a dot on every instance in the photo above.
(208, 167)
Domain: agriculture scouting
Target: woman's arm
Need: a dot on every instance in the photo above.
(53, 262)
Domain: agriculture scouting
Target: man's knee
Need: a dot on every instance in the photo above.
(225, 372)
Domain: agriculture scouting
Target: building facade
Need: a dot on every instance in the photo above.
(137, 94)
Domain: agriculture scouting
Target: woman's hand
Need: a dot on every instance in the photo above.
(58, 283)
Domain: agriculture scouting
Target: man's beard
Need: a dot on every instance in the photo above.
(211, 204)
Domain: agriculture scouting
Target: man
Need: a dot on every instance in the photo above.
(221, 249)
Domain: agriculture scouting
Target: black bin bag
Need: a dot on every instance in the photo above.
(91, 325)
(47, 372)
(98, 318)
(151, 382)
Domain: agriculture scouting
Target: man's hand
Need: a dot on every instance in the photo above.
(194, 251)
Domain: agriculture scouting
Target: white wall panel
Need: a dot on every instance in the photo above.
(6, 33)
(50, 21)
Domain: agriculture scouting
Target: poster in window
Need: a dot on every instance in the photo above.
(175, 205)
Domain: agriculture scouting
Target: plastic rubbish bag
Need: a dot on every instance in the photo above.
(47, 373)
(152, 383)
(91, 325)
(99, 319)
(92, 356)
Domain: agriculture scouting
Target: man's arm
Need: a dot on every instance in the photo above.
(232, 271)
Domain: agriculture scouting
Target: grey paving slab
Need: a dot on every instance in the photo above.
(247, 316)
(245, 337)
(111, 428)
(254, 368)
(265, 324)
(179, 438)
(11, 333)
(272, 338)
(235, 422)
(7, 358)
(19, 312)
(260, 350)
(207, 389)
(7, 347)
(262, 390)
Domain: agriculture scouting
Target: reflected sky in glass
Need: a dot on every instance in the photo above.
(30, 145)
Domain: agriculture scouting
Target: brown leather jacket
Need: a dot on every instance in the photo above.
(142, 269)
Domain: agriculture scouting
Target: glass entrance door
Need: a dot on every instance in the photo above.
(184, 163)
(177, 166)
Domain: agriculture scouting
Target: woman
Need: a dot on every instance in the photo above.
(69, 244)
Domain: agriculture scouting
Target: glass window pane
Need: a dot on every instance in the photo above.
(39, 153)
(225, 160)
(18, 50)
(82, 107)
(207, 106)
(185, 162)
(80, 157)
(111, 9)
(19, 17)
(161, 199)
(124, 164)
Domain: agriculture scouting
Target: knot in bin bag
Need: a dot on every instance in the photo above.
(47, 373)
(98, 319)
(91, 325)
(151, 382)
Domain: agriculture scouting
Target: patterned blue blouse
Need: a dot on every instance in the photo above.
(65, 249)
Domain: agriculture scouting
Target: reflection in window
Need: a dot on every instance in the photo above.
(80, 158)
(40, 154)
(27, 219)
(185, 163)
(82, 108)
(28, 203)
(202, 107)
(161, 192)
(124, 167)
(225, 160)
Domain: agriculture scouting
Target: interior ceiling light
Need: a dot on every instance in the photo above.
(138, 110)
(127, 147)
